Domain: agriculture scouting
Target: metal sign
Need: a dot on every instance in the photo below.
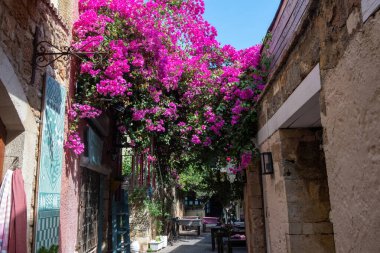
(50, 166)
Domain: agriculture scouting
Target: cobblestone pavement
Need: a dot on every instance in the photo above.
(195, 244)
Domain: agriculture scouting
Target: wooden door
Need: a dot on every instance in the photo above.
(89, 211)
(3, 135)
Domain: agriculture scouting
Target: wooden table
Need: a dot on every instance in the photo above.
(190, 223)
(209, 221)
(213, 233)
(230, 243)
(219, 240)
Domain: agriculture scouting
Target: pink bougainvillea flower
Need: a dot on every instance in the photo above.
(74, 143)
(163, 62)
(195, 139)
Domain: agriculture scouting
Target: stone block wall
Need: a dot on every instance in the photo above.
(351, 120)
(334, 35)
(253, 211)
(275, 199)
(294, 66)
(296, 196)
(19, 20)
(178, 209)
(310, 229)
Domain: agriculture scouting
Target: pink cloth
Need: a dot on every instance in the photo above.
(5, 210)
(210, 220)
(18, 222)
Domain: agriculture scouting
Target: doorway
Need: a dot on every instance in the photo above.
(90, 206)
(307, 193)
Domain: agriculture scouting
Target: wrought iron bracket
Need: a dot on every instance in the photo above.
(45, 53)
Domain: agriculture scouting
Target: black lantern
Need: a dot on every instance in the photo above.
(266, 163)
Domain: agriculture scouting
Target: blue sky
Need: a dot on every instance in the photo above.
(241, 23)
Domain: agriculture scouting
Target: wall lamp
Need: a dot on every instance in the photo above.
(266, 163)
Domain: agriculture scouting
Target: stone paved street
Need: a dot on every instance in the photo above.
(195, 244)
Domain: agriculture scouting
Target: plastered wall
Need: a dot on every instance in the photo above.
(351, 120)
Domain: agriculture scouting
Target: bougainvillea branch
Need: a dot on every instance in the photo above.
(173, 79)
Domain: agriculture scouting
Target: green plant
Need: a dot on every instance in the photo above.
(137, 196)
(156, 210)
(127, 162)
(52, 249)
(159, 225)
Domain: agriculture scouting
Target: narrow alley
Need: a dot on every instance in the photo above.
(189, 126)
(195, 244)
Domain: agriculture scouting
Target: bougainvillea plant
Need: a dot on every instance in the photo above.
(160, 64)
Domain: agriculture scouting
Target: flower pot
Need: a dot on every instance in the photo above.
(164, 239)
(135, 247)
(155, 245)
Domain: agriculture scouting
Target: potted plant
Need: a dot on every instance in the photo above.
(164, 239)
(155, 245)
(161, 243)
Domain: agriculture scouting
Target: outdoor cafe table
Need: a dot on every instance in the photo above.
(218, 234)
(232, 243)
(209, 222)
(213, 233)
(215, 229)
(190, 223)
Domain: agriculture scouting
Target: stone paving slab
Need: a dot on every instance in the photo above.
(195, 244)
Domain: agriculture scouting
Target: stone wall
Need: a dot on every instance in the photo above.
(296, 195)
(295, 65)
(332, 34)
(18, 22)
(351, 120)
(178, 205)
(275, 199)
(143, 227)
(253, 211)
(322, 37)
(307, 191)
(195, 212)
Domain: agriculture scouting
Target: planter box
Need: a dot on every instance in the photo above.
(164, 239)
(155, 245)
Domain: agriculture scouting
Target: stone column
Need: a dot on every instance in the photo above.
(253, 211)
